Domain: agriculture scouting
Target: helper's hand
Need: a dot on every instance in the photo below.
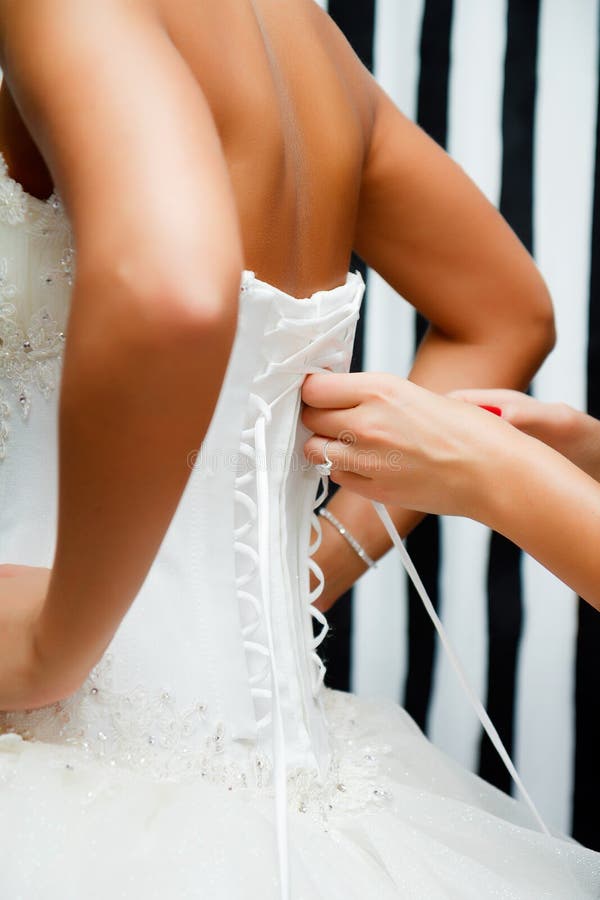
(572, 433)
(393, 441)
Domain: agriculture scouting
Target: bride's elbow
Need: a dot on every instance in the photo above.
(528, 334)
(542, 324)
(151, 305)
(199, 307)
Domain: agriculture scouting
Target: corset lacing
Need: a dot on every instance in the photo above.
(303, 362)
(331, 347)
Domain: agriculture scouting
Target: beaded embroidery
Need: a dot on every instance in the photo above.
(130, 728)
(4, 413)
(38, 217)
(30, 354)
(29, 359)
(152, 735)
(13, 204)
(62, 271)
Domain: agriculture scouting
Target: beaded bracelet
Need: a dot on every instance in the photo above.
(360, 551)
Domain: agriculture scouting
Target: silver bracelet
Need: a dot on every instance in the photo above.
(360, 551)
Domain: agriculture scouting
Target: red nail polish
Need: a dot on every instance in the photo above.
(493, 409)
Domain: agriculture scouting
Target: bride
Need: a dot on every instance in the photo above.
(181, 187)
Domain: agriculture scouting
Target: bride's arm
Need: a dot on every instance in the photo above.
(431, 234)
(131, 144)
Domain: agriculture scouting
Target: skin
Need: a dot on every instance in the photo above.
(569, 431)
(444, 455)
(280, 154)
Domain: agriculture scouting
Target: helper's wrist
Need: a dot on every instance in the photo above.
(497, 479)
(586, 440)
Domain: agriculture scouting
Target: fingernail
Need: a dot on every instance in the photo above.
(493, 409)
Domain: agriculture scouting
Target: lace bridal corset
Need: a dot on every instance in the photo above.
(217, 651)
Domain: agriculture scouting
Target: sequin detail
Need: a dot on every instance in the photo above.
(4, 414)
(63, 271)
(31, 351)
(151, 734)
(13, 204)
(38, 217)
(29, 361)
(355, 778)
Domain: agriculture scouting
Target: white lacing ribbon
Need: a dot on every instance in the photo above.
(253, 446)
(484, 718)
(258, 514)
(264, 552)
(317, 571)
(329, 348)
(311, 358)
(247, 552)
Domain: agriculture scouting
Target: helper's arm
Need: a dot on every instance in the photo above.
(433, 236)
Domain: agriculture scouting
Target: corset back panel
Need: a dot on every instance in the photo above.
(223, 620)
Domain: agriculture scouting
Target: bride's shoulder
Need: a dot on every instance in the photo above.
(95, 82)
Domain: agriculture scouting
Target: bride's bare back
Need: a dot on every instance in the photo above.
(294, 112)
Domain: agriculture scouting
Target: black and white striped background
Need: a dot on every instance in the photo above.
(510, 88)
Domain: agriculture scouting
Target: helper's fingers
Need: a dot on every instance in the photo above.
(358, 484)
(336, 391)
(508, 401)
(318, 449)
(331, 423)
(517, 408)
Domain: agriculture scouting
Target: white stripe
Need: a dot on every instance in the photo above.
(478, 45)
(397, 50)
(457, 665)
(475, 141)
(451, 723)
(379, 634)
(564, 161)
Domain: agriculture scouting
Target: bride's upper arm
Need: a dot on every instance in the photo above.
(126, 132)
(430, 233)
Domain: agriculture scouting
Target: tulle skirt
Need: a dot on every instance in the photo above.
(406, 822)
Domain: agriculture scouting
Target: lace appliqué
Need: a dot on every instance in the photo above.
(354, 780)
(17, 207)
(13, 204)
(29, 357)
(154, 736)
(129, 729)
(30, 354)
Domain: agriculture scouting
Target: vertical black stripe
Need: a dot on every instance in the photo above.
(504, 626)
(424, 543)
(357, 21)
(434, 74)
(586, 795)
(505, 601)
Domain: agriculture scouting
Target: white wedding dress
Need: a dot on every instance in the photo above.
(204, 757)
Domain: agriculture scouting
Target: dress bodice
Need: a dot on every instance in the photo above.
(220, 637)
